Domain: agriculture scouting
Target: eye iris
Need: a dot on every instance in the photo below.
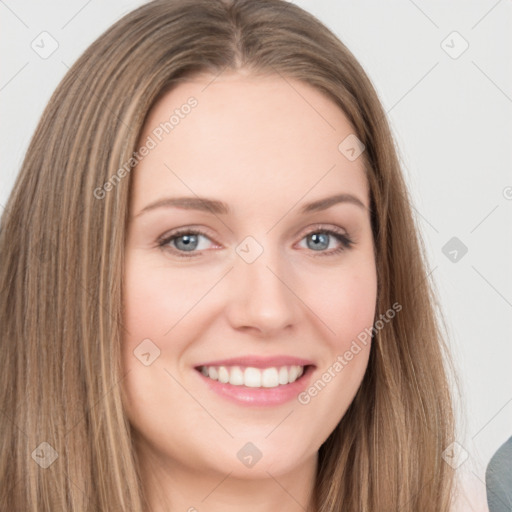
(323, 238)
(189, 242)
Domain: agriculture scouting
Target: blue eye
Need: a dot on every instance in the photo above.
(186, 243)
(189, 242)
(320, 240)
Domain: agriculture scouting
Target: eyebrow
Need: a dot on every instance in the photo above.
(220, 208)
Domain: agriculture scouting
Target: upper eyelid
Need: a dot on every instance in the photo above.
(183, 231)
(322, 227)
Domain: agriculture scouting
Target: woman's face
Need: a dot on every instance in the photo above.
(261, 277)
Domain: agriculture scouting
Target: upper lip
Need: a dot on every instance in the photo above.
(259, 361)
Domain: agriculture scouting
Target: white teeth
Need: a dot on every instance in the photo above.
(236, 376)
(293, 374)
(253, 377)
(283, 375)
(269, 378)
(223, 374)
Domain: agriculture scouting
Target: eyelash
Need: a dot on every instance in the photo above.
(345, 241)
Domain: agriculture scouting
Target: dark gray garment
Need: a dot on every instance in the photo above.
(498, 479)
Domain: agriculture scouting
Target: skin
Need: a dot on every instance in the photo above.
(265, 149)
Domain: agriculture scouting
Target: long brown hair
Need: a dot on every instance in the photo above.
(61, 277)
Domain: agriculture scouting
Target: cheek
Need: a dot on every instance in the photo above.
(153, 303)
(156, 298)
(344, 300)
(346, 307)
(345, 303)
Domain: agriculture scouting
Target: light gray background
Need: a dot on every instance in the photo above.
(452, 119)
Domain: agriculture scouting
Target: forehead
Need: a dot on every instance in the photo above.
(261, 139)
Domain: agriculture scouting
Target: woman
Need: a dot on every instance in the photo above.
(175, 334)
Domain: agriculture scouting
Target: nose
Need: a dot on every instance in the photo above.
(261, 295)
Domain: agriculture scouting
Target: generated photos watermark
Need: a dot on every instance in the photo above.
(150, 143)
(341, 361)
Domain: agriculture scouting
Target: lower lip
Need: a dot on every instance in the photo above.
(243, 395)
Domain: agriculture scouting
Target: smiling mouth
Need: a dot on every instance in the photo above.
(248, 376)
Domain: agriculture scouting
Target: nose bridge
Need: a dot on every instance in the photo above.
(261, 297)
